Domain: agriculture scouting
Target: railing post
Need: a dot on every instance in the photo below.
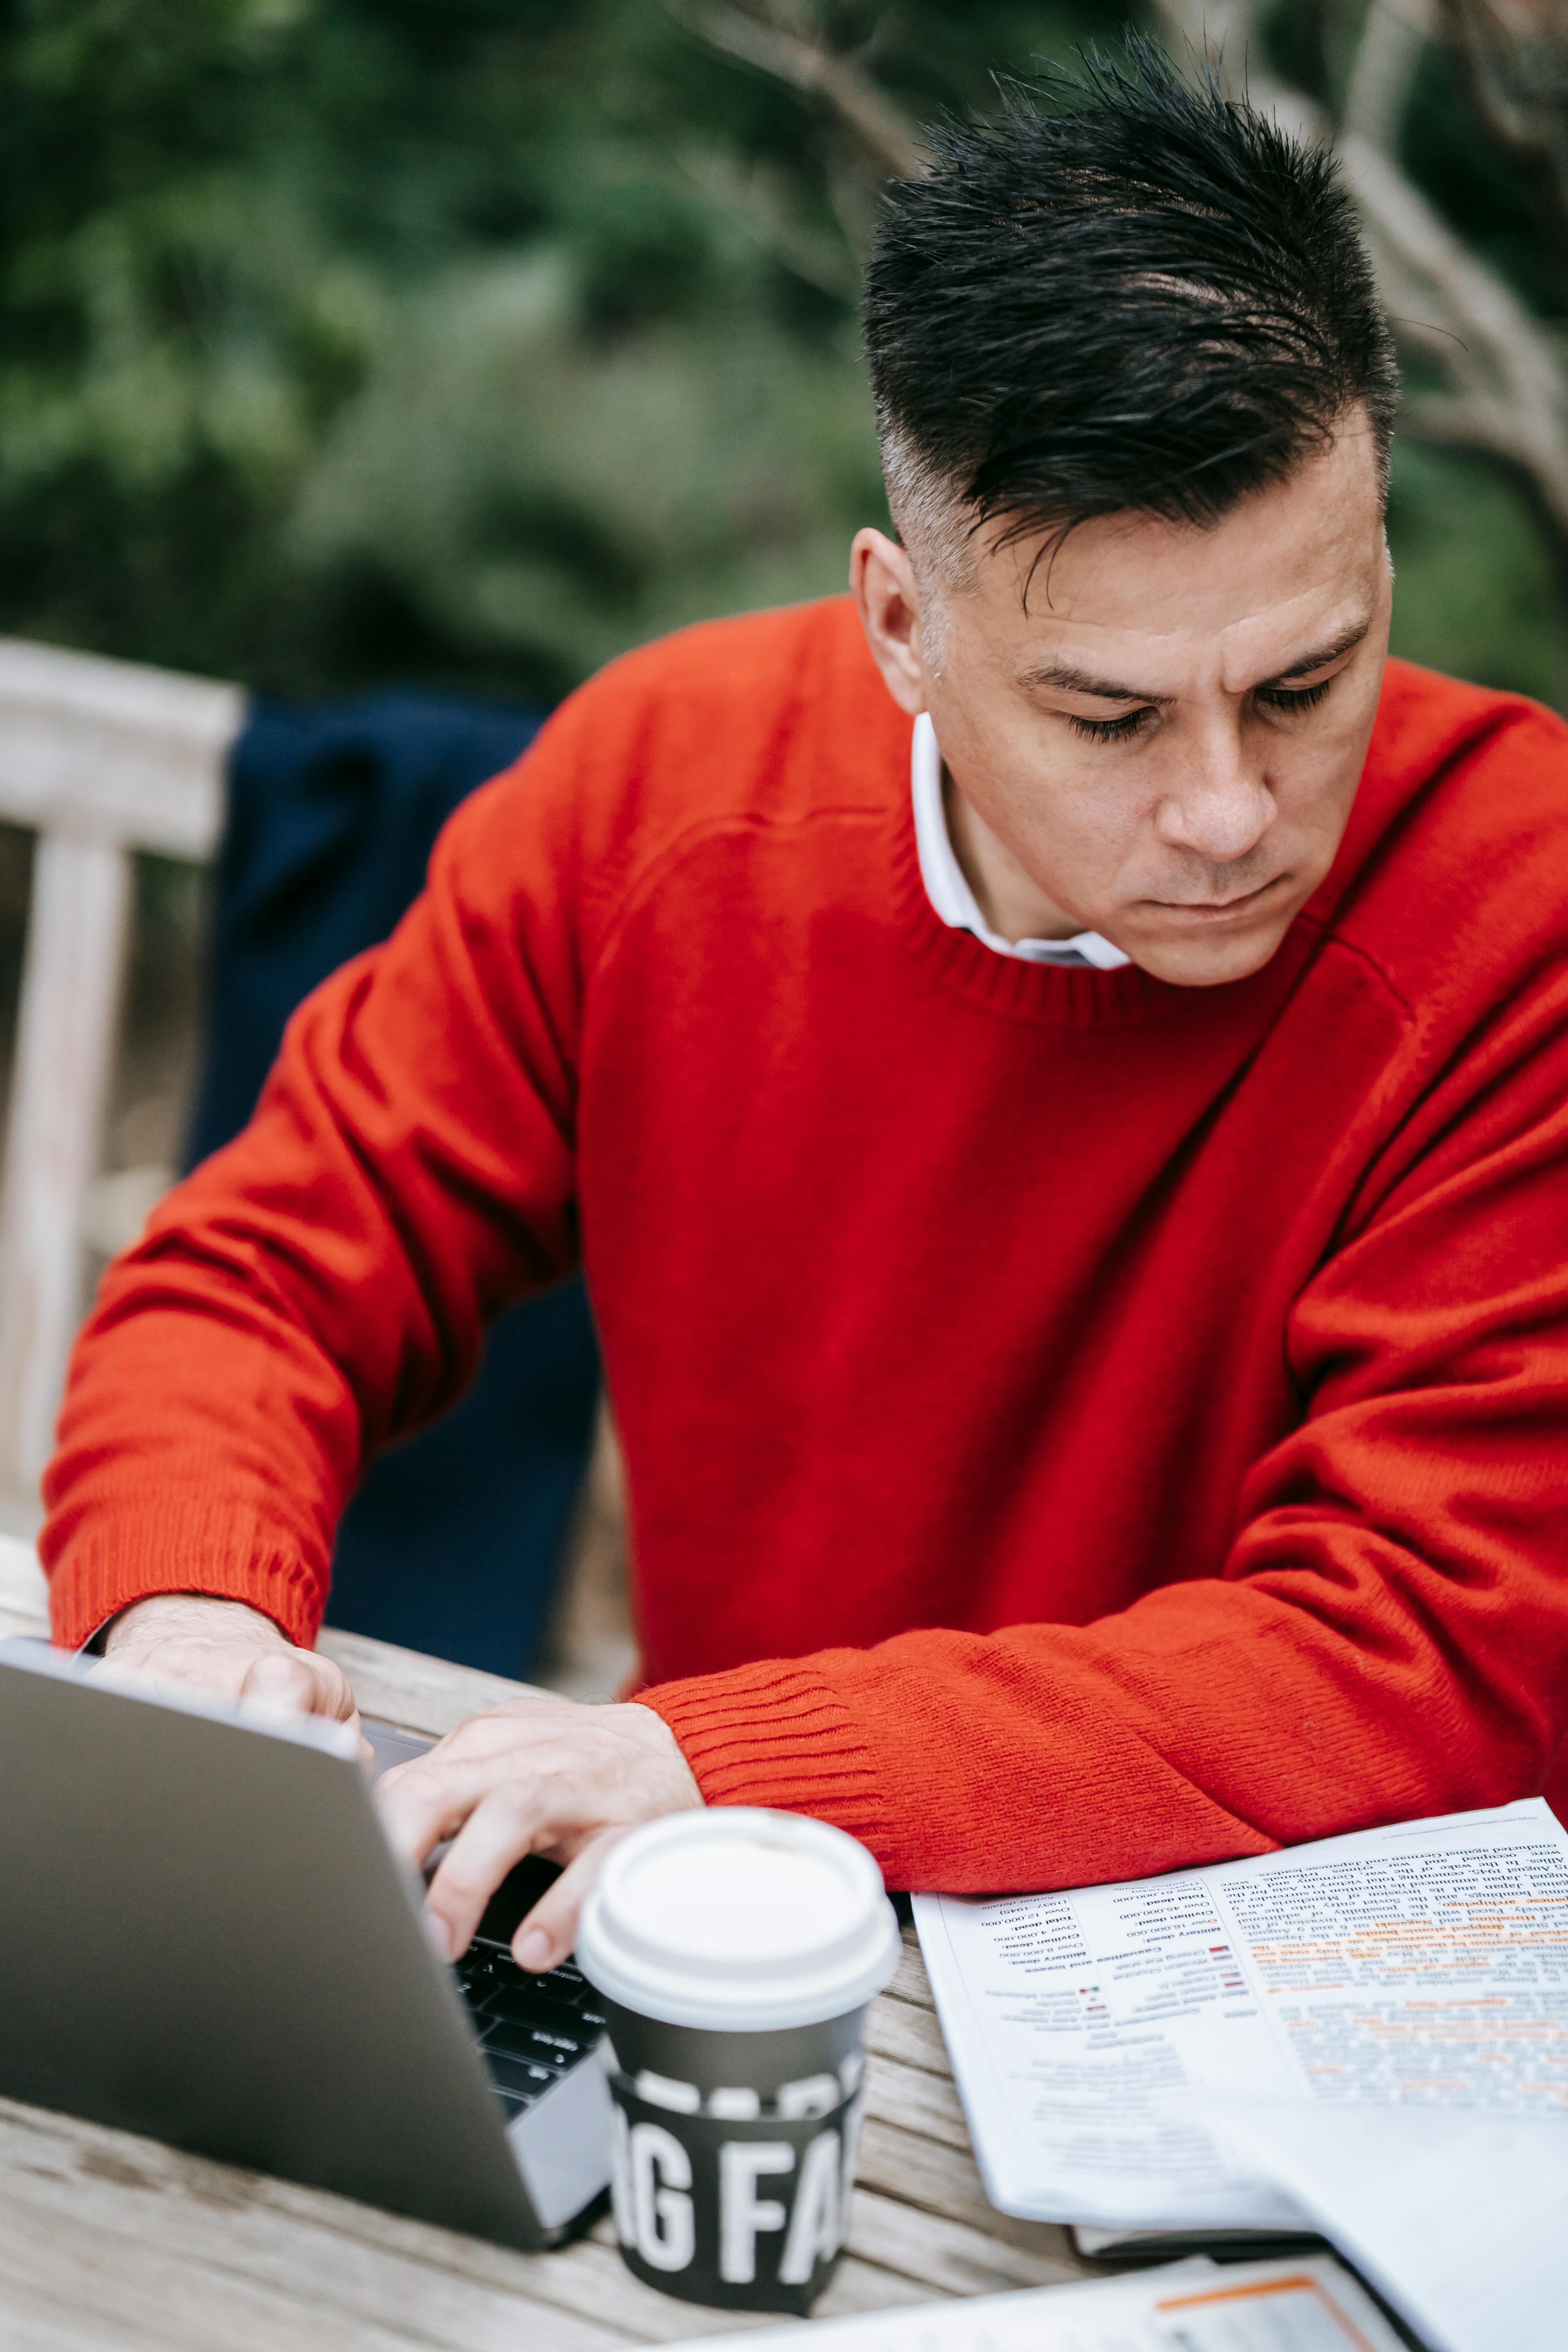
(69, 1010)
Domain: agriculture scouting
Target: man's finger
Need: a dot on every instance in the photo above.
(279, 1678)
(331, 1693)
(428, 1800)
(548, 1933)
(336, 1691)
(499, 1831)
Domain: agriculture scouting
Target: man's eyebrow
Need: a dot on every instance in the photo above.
(1343, 644)
(1061, 677)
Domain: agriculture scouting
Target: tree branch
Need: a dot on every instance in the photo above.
(760, 33)
(1505, 397)
(1511, 62)
(759, 198)
(1392, 38)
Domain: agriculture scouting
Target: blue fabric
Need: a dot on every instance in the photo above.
(450, 1544)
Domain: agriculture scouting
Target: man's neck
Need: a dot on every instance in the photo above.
(1013, 906)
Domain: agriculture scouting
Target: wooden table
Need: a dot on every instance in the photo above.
(110, 2243)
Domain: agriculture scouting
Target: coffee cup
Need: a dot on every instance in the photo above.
(735, 1952)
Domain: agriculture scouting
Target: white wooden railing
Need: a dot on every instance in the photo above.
(101, 758)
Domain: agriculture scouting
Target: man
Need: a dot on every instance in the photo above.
(1074, 1214)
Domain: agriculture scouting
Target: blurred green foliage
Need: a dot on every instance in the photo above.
(473, 339)
(1474, 591)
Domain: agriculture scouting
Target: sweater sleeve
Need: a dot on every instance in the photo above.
(322, 1284)
(1388, 1637)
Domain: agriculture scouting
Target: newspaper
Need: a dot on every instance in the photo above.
(1297, 2306)
(1421, 1965)
(1458, 2219)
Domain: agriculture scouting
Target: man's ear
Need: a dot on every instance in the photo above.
(882, 583)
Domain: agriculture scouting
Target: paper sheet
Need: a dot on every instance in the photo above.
(1423, 1965)
(1459, 2219)
(1301, 2306)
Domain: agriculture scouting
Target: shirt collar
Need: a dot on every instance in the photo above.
(951, 896)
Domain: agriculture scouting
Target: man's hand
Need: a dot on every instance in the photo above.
(540, 1775)
(182, 1640)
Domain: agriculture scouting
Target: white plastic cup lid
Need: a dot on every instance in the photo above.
(738, 1920)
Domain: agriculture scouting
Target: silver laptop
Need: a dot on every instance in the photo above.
(205, 1936)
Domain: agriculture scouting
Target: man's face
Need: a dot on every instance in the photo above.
(1158, 735)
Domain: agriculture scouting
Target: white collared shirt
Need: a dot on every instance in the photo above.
(951, 896)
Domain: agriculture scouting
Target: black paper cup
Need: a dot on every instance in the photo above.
(736, 1952)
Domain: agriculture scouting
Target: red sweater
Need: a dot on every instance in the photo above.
(1076, 1426)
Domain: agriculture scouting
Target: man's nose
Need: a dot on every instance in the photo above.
(1220, 806)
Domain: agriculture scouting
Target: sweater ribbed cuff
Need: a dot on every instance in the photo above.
(777, 1733)
(193, 1546)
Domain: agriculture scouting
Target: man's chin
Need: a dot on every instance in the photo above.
(1205, 959)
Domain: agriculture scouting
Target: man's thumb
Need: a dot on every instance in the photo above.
(280, 1680)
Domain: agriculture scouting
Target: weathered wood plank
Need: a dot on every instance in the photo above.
(113, 750)
(860, 2286)
(917, 2101)
(922, 2172)
(947, 2257)
(24, 1589)
(34, 2323)
(908, 2036)
(914, 2170)
(910, 1981)
(70, 995)
(418, 1694)
(132, 2294)
(117, 2222)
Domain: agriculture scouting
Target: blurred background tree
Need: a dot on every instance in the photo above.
(471, 340)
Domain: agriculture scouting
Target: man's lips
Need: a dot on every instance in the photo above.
(1217, 910)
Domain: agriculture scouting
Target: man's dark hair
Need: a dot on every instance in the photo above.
(1127, 294)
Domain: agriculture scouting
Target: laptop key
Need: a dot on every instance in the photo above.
(527, 2041)
(523, 2080)
(579, 1996)
(550, 2048)
(563, 1980)
(524, 2004)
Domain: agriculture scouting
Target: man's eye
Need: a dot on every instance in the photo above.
(1110, 730)
(1292, 698)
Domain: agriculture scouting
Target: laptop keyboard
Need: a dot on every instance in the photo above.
(533, 2028)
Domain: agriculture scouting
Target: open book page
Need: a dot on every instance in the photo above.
(1417, 1964)
(1460, 2219)
(1299, 2306)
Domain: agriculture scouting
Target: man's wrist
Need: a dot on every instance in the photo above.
(676, 1763)
(193, 1616)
